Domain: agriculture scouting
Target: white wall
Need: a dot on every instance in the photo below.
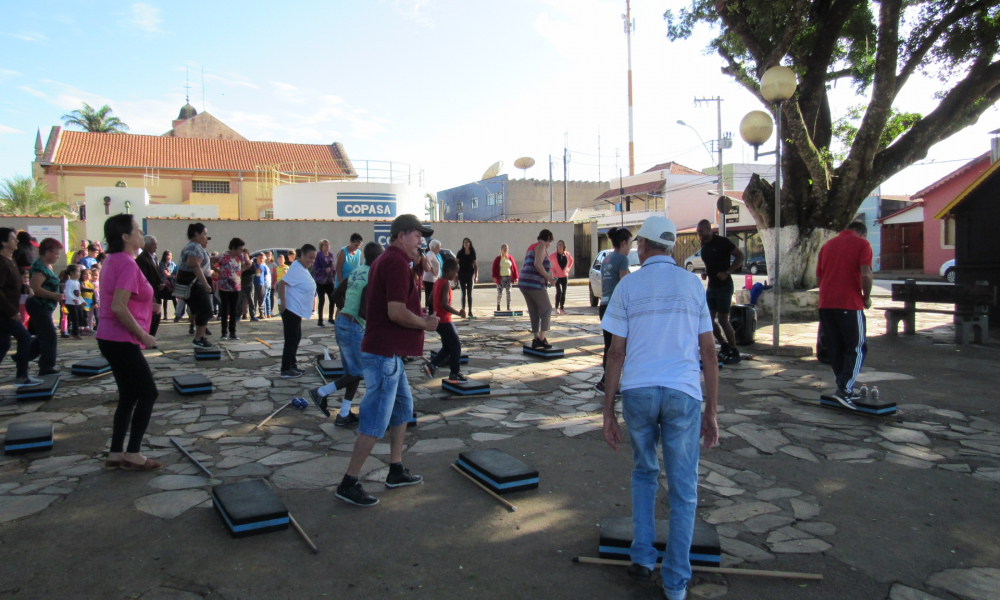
(139, 206)
(331, 200)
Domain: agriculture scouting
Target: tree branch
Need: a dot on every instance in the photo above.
(969, 99)
(940, 28)
(738, 24)
(834, 75)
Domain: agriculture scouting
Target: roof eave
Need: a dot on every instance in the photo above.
(967, 191)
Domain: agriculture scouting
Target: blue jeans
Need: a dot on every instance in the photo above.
(349, 336)
(673, 418)
(387, 401)
(28, 348)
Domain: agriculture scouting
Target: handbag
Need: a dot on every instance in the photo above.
(182, 291)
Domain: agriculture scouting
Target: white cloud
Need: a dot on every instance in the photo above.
(414, 11)
(26, 36)
(32, 91)
(4, 129)
(232, 79)
(145, 17)
(7, 74)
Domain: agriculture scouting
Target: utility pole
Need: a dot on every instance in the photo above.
(598, 152)
(629, 27)
(721, 143)
(565, 184)
(550, 188)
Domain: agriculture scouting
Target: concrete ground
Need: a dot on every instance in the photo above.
(900, 508)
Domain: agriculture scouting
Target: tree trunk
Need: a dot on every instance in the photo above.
(800, 243)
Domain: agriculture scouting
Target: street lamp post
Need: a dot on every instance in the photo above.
(777, 85)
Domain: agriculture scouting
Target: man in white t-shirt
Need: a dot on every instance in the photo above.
(660, 312)
(295, 294)
(432, 270)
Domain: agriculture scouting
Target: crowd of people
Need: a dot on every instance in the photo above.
(660, 326)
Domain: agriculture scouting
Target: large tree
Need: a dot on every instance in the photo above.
(22, 195)
(832, 162)
(98, 120)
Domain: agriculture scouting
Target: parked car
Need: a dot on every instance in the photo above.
(756, 265)
(695, 263)
(274, 252)
(948, 271)
(595, 272)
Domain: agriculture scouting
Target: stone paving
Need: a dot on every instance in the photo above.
(757, 516)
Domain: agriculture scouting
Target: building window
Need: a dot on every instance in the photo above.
(499, 196)
(210, 187)
(267, 214)
(446, 209)
(947, 233)
(475, 202)
(461, 216)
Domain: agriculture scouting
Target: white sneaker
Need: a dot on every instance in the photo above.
(26, 381)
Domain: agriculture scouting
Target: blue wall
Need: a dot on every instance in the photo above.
(867, 214)
(474, 200)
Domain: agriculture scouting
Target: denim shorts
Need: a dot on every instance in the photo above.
(349, 334)
(387, 402)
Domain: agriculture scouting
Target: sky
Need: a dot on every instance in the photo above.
(446, 86)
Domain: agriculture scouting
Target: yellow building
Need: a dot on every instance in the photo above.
(199, 161)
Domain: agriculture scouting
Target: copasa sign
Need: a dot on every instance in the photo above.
(354, 205)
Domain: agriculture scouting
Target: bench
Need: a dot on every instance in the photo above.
(971, 302)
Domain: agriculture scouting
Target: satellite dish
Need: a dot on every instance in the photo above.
(493, 171)
(524, 163)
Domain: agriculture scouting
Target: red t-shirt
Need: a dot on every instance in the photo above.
(839, 271)
(439, 285)
(390, 280)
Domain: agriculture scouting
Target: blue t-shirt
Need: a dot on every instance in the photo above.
(613, 264)
(87, 262)
(264, 278)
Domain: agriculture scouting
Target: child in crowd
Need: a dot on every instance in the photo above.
(87, 292)
(279, 273)
(73, 301)
(63, 312)
(451, 346)
(25, 294)
(95, 280)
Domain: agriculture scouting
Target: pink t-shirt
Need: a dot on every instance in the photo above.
(120, 272)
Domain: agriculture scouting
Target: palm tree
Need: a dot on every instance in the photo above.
(22, 195)
(95, 121)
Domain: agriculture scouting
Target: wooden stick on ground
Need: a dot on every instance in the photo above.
(263, 342)
(302, 532)
(719, 570)
(188, 454)
(261, 424)
(320, 371)
(229, 353)
(508, 505)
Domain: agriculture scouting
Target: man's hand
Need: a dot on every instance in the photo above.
(868, 302)
(461, 313)
(431, 323)
(612, 433)
(723, 275)
(709, 431)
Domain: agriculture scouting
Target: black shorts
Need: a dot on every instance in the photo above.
(720, 298)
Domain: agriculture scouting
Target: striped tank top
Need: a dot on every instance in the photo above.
(529, 277)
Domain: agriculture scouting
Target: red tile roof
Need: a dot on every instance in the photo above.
(129, 150)
(980, 161)
(632, 190)
(674, 168)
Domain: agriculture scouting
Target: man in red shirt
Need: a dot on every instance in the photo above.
(394, 328)
(844, 275)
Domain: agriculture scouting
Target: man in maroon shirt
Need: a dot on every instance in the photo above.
(394, 328)
(844, 275)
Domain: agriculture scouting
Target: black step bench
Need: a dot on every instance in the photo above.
(971, 302)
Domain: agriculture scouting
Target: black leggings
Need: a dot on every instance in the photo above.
(291, 323)
(561, 283)
(45, 334)
(324, 291)
(75, 319)
(465, 282)
(227, 311)
(428, 301)
(607, 339)
(136, 392)
(451, 348)
(166, 301)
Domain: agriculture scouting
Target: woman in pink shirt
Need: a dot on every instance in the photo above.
(562, 263)
(126, 311)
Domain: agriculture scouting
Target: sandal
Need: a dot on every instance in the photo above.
(149, 465)
(112, 464)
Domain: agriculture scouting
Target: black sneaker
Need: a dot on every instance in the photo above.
(404, 478)
(320, 324)
(457, 378)
(428, 369)
(640, 572)
(537, 343)
(599, 386)
(545, 344)
(356, 495)
(846, 399)
(298, 370)
(732, 357)
(350, 419)
(191, 330)
(319, 401)
(291, 374)
(234, 337)
(26, 380)
(202, 343)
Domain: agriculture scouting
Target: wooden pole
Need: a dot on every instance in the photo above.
(320, 371)
(193, 459)
(263, 342)
(302, 532)
(508, 505)
(229, 353)
(720, 570)
(261, 424)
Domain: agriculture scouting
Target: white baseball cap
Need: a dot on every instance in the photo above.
(660, 230)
